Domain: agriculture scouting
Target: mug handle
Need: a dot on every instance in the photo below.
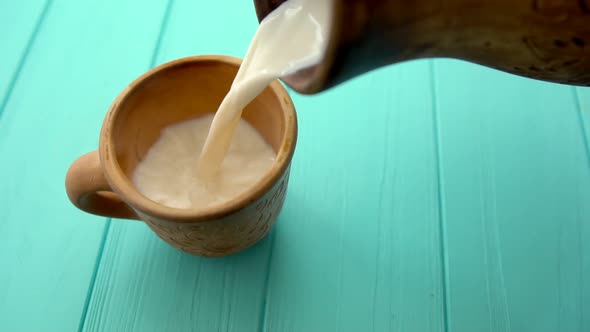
(89, 191)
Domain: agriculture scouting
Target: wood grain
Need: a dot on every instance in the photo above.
(358, 248)
(80, 59)
(582, 96)
(245, 293)
(19, 23)
(426, 196)
(142, 283)
(516, 187)
(145, 285)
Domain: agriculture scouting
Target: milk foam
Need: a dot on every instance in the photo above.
(167, 173)
(188, 168)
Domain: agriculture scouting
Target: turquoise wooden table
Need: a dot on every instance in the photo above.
(446, 196)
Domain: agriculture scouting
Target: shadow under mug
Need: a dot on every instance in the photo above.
(99, 182)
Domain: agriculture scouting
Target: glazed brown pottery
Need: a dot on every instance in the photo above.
(540, 39)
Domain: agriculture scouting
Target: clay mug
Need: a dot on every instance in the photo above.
(99, 182)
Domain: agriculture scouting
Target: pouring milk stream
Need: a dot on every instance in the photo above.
(291, 38)
(234, 156)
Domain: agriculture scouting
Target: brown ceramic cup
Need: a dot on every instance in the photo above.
(99, 182)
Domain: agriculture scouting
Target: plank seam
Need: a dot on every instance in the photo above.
(578, 104)
(586, 139)
(380, 226)
(24, 56)
(440, 198)
(92, 284)
(91, 287)
(265, 294)
(163, 28)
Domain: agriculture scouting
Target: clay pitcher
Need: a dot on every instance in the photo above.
(540, 39)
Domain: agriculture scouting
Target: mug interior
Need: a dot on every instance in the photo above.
(179, 91)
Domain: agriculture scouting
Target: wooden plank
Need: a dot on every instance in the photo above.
(145, 285)
(19, 23)
(84, 54)
(583, 103)
(357, 247)
(197, 28)
(516, 187)
(142, 283)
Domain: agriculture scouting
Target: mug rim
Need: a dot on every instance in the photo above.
(124, 187)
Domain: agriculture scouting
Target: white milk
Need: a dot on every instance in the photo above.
(186, 168)
(167, 173)
(292, 37)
